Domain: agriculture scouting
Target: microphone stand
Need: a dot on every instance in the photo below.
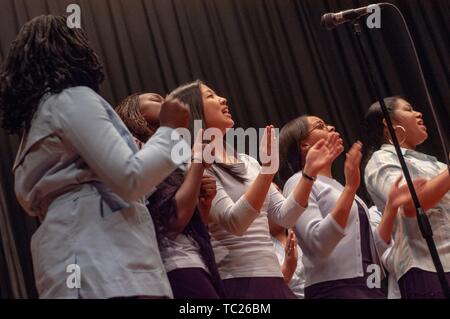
(422, 219)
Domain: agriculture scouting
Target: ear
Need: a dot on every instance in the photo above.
(304, 147)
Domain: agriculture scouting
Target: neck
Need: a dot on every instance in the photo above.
(406, 145)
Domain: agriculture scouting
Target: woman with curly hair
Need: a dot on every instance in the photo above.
(179, 208)
(79, 170)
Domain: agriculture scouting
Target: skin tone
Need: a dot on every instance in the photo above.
(397, 196)
(432, 191)
(217, 115)
(196, 190)
(288, 239)
(150, 107)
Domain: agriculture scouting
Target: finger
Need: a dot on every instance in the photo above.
(334, 138)
(397, 181)
(319, 144)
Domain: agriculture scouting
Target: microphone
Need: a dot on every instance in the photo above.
(332, 20)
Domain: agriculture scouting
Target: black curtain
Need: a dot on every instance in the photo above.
(270, 58)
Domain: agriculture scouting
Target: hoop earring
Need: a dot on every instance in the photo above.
(404, 132)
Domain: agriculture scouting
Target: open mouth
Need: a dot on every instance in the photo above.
(422, 124)
(226, 112)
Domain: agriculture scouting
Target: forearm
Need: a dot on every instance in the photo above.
(387, 223)
(343, 206)
(187, 196)
(431, 193)
(287, 272)
(302, 190)
(257, 192)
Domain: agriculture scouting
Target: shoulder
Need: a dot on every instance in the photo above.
(379, 158)
(73, 99)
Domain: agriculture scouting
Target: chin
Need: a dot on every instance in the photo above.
(424, 138)
(230, 123)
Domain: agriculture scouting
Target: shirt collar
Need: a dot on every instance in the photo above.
(407, 152)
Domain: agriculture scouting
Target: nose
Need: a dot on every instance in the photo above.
(419, 115)
(223, 100)
(331, 128)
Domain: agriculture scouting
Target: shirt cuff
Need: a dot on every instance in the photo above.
(243, 205)
(380, 244)
(331, 223)
(180, 150)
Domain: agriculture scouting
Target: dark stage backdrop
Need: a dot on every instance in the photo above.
(270, 58)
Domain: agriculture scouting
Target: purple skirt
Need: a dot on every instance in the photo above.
(191, 283)
(421, 284)
(257, 288)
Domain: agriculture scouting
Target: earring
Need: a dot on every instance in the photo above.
(404, 132)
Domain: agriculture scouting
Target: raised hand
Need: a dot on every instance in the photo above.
(291, 253)
(322, 154)
(351, 166)
(400, 195)
(268, 151)
(202, 152)
(174, 114)
(207, 193)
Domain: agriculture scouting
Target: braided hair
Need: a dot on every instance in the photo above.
(46, 57)
(128, 110)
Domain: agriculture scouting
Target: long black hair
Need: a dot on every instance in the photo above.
(291, 160)
(374, 132)
(162, 204)
(373, 137)
(191, 95)
(46, 57)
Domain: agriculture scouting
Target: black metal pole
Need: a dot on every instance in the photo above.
(422, 219)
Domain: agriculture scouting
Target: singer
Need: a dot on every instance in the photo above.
(414, 269)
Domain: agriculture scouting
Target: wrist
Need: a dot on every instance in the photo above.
(350, 188)
(308, 176)
(310, 171)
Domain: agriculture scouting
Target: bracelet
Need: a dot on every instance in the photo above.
(312, 179)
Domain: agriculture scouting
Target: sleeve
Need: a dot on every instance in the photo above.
(319, 234)
(235, 217)
(380, 173)
(283, 211)
(375, 219)
(87, 127)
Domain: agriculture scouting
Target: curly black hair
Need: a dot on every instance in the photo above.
(46, 57)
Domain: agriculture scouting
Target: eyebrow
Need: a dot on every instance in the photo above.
(317, 122)
(209, 91)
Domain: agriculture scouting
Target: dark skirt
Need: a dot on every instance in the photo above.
(421, 284)
(191, 283)
(354, 288)
(257, 288)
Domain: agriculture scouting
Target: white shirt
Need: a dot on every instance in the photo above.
(181, 252)
(393, 288)
(79, 170)
(330, 252)
(410, 249)
(240, 235)
(297, 282)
